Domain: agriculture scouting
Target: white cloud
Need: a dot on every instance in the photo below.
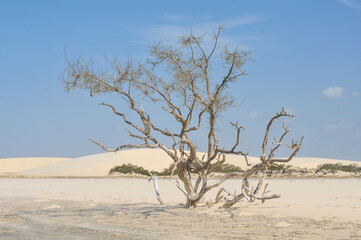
(351, 4)
(254, 114)
(355, 94)
(333, 92)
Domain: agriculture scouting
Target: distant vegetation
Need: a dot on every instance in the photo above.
(339, 167)
(131, 168)
(227, 168)
(279, 167)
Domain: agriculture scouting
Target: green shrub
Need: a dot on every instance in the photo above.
(339, 167)
(279, 167)
(129, 168)
(227, 168)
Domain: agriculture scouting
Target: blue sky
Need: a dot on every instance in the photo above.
(307, 59)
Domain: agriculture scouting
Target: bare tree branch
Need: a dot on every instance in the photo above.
(178, 79)
(125, 146)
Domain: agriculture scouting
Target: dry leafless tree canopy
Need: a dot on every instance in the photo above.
(178, 78)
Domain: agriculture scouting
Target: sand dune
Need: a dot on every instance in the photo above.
(98, 165)
(15, 165)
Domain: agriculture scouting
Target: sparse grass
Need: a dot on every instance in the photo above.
(339, 167)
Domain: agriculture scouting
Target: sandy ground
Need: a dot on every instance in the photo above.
(124, 208)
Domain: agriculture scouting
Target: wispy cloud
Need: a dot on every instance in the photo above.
(333, 92)
(351, 4)
(176, 17)
(254, 114)
(247, 19)
(344, 126)
(355, 94)
(170, 32)
(330, 126)
(165, 32)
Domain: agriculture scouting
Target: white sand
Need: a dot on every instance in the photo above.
(124, 208)
(98, 165)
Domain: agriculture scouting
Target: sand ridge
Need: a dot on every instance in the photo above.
(98, 165)
(15, 165)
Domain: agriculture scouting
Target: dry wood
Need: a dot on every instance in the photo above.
(193, 99)
(154, 179)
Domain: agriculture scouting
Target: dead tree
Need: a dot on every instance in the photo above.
(178, 78)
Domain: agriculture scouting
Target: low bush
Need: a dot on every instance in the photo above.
(131, 168)
(279, 167)
(339, 167)
(227, 168)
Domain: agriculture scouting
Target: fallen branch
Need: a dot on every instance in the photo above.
(155, 183)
